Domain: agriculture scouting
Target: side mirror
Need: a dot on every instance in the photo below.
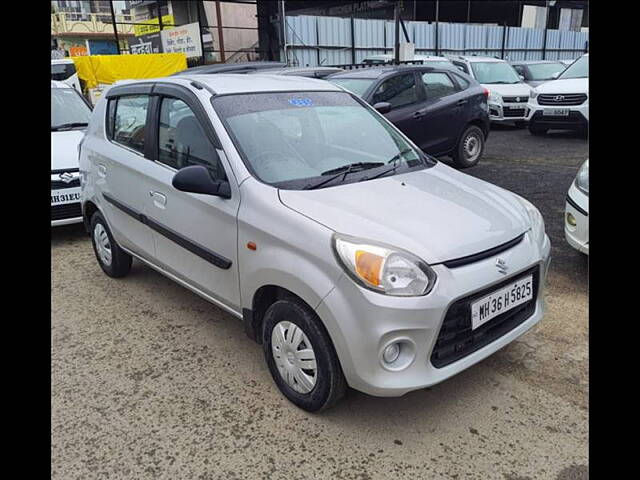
(197, 179)
(382, 107)
(521, 78)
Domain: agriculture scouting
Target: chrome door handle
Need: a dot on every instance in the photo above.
(102, 170)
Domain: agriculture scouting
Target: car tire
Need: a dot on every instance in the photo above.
(538, 131)
(470, 147)
(288, 326)
(114, 261)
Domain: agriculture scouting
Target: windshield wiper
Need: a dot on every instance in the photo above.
(344, 171)
(68, 126)
(393, 160)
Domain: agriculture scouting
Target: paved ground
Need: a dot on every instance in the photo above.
(150, 381)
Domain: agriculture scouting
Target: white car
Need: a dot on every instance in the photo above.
(563, 103)
(576, 217)
(70, 114)
(64, 70)
(349, 254)
(508, 93)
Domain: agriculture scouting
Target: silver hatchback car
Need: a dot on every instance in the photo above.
(350, 255)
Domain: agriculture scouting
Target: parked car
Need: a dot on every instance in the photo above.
(354, 258)
(431, 60)
(508, 94)
(309, 72)
(240, 67)
(576, 218)
(563, 103)
(64, 70)
(442, 110)
(536, 72)
(70, 114)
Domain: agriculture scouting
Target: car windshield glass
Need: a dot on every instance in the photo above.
(62, 71)
(545, 71)
(354, 85)
(68, 109)
(578, 69)
(494, 72)
(296, 140)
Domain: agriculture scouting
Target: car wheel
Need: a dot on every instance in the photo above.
(534, 130)
(470, 148)
(114, 261)
(301, 356)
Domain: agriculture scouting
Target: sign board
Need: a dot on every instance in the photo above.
(184, 39)
(78, 51)
(146, 44)
(167, 23)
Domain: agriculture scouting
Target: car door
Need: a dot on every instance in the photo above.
(405, 96)
(122, 167)
(444, 112)
(195, 235)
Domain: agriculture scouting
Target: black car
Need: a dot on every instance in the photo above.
(444, 111)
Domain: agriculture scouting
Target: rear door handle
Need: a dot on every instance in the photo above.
(159, 200)
(102, 170)
(419, 114)
(461, 102)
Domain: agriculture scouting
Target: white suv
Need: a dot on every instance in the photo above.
(350, 255)
(562, 103)
(508, 94)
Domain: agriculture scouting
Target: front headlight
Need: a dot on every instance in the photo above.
(384, 269)
(533, 94)
(582, 179)
(537, 222)
(495, 97)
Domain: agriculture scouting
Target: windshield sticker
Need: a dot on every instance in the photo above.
(301, 102)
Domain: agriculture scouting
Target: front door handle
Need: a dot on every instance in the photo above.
(159, 200)
(102, 170)
(419, 114)
(461, 102)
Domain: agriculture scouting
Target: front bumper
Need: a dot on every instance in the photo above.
(65, 198)
(577, 205)
(577, 119)
(362, 323)
(507, 112)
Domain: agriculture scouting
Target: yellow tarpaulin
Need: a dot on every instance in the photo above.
(95, 69)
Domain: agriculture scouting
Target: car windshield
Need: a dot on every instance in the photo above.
(494, 72)
(62, 71)
(545, 71)
(354, 85)
(299, 140)
(68, 110)
(578, 69)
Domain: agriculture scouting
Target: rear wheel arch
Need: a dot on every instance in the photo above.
(88, 209)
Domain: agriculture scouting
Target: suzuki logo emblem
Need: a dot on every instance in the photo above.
(558, 98)
(501, 265)
(66, 177)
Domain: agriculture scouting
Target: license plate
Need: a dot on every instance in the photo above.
(501, 301)
(516, 106)
(65, 196)
(556, 112)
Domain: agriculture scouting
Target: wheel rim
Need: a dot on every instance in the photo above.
(103, 245)
(472, 147)
(294, 356)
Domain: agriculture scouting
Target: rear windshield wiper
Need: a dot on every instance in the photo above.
(68, 126)
(344, 171)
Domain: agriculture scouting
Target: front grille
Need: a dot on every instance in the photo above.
(456, 339)
(59, 184)
(70, 210)
(513, 112)
(562, 99)
(520, 99)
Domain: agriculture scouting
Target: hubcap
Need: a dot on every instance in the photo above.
(103, 246)
(472, 146)
(294, 356)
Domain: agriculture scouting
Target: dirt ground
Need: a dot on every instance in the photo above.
(151, 381)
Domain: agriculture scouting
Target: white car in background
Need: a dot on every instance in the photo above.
(508, 94)
(64, 70)
(576, 217)
(70, 114)
(563, 103)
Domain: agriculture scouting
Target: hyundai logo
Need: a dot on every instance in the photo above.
(558, 98)
(66, 177)
(501, 265)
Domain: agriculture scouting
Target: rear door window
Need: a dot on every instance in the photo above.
(129, 124)
(398, 91)
(438, 85)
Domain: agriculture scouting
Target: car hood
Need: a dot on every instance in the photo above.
(569, 85)
(64, 149)
(509, 90)
(536, 83)
(436, 213)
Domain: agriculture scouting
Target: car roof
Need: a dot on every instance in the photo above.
(231, 67)
(294, 70)
(475, 58)
(381, 70)
(57, 84)
(532, 62)
(228, 83)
